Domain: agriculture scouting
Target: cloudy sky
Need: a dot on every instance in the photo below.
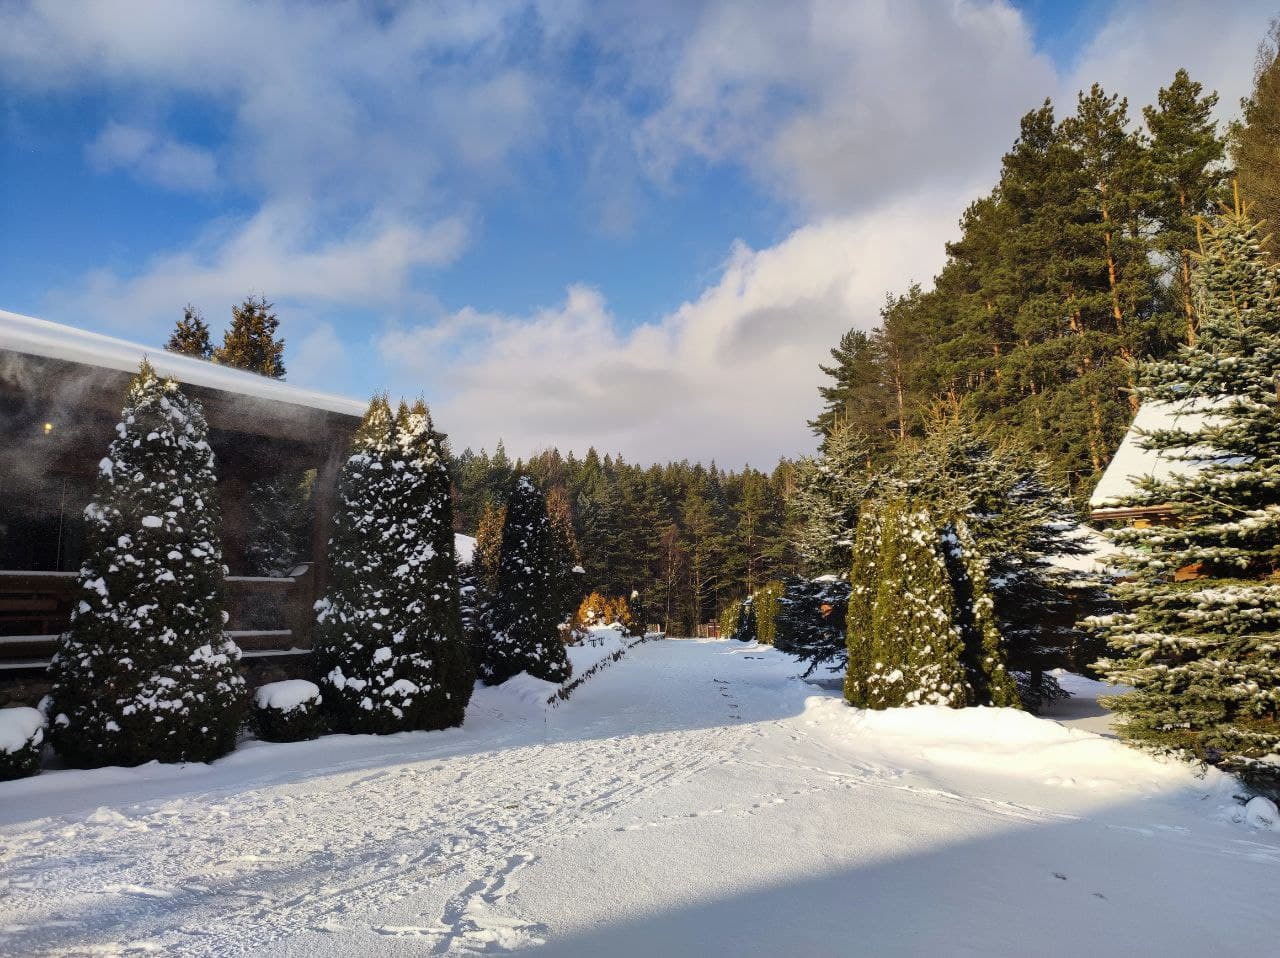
(637, 226)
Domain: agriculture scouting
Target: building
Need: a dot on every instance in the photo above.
(1133, 461)
(61, 391)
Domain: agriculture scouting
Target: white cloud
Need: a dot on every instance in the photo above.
(731, 373)
(279, 251)
(170, 164)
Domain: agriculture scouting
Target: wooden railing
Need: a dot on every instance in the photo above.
(268, 615)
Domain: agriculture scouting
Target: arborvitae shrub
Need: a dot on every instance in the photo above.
(729, 619)
(526, 634)
(21, 742)
(146, 671)
(766, 603)
(389, 650)
(921, 619)
(287, 711)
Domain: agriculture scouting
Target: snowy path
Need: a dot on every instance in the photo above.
(693, 799)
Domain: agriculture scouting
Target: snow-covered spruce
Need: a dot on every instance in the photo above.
(526, 636)
(811, 621)
(1203, 655)
(21, 742)
(287, 711)
(146, 670)
(388, 650)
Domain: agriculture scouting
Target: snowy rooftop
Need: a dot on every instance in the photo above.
(39, 337)
(1133, 460)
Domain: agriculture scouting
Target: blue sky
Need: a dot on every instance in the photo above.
(563, 222)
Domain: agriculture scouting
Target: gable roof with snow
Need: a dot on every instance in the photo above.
(39, 337)
(1134, 461)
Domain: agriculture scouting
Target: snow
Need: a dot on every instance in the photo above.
(286, 695)
(1133, 460)
(39, 337)
(464, 548)
(1261, 812)
(18, 727)
(696, 798)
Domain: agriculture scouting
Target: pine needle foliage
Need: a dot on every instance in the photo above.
(191, 335)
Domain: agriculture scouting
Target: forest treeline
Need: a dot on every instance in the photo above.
(1073, 269)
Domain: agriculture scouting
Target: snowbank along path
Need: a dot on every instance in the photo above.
(696, 798)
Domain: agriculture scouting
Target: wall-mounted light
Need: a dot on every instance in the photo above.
(48, 428)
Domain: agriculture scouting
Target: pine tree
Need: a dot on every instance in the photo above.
(250, 343)
(1255, 137)
(191, 335)
(1201, 655)
(388, 649)
(1186, 165)
(145, 671)
(859, 396)
(526, 636)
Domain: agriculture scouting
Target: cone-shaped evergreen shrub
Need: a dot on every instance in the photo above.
(922, 628)
(526, 635)
(1202, 655)
(389, 651)
(146, 671)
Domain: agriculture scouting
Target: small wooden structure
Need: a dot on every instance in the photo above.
(1133, 461)
(61, 391)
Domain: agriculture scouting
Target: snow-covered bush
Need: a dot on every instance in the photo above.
(146, 670)
(598, 609)
(287, 711)
(526, 636)
(21, 742)
(389, 650)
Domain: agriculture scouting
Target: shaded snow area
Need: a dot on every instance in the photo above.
(694, 799)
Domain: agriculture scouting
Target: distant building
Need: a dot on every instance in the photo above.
(61, 391)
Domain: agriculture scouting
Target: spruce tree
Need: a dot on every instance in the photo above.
(191, 335)
(1201, 654)
(526, 635)
(250, 343)
(146, 671)
(388, 648)
(566, 584)
(829, 490)
(812, 620)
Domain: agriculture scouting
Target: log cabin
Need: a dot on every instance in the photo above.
(61, 392)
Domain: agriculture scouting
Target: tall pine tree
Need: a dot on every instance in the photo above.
(191, 335)
(146, 671)
(250, 343)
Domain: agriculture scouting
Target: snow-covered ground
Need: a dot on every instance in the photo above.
(693, 799)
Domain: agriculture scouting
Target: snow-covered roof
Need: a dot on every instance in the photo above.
(1133, 460)
(39, 337)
